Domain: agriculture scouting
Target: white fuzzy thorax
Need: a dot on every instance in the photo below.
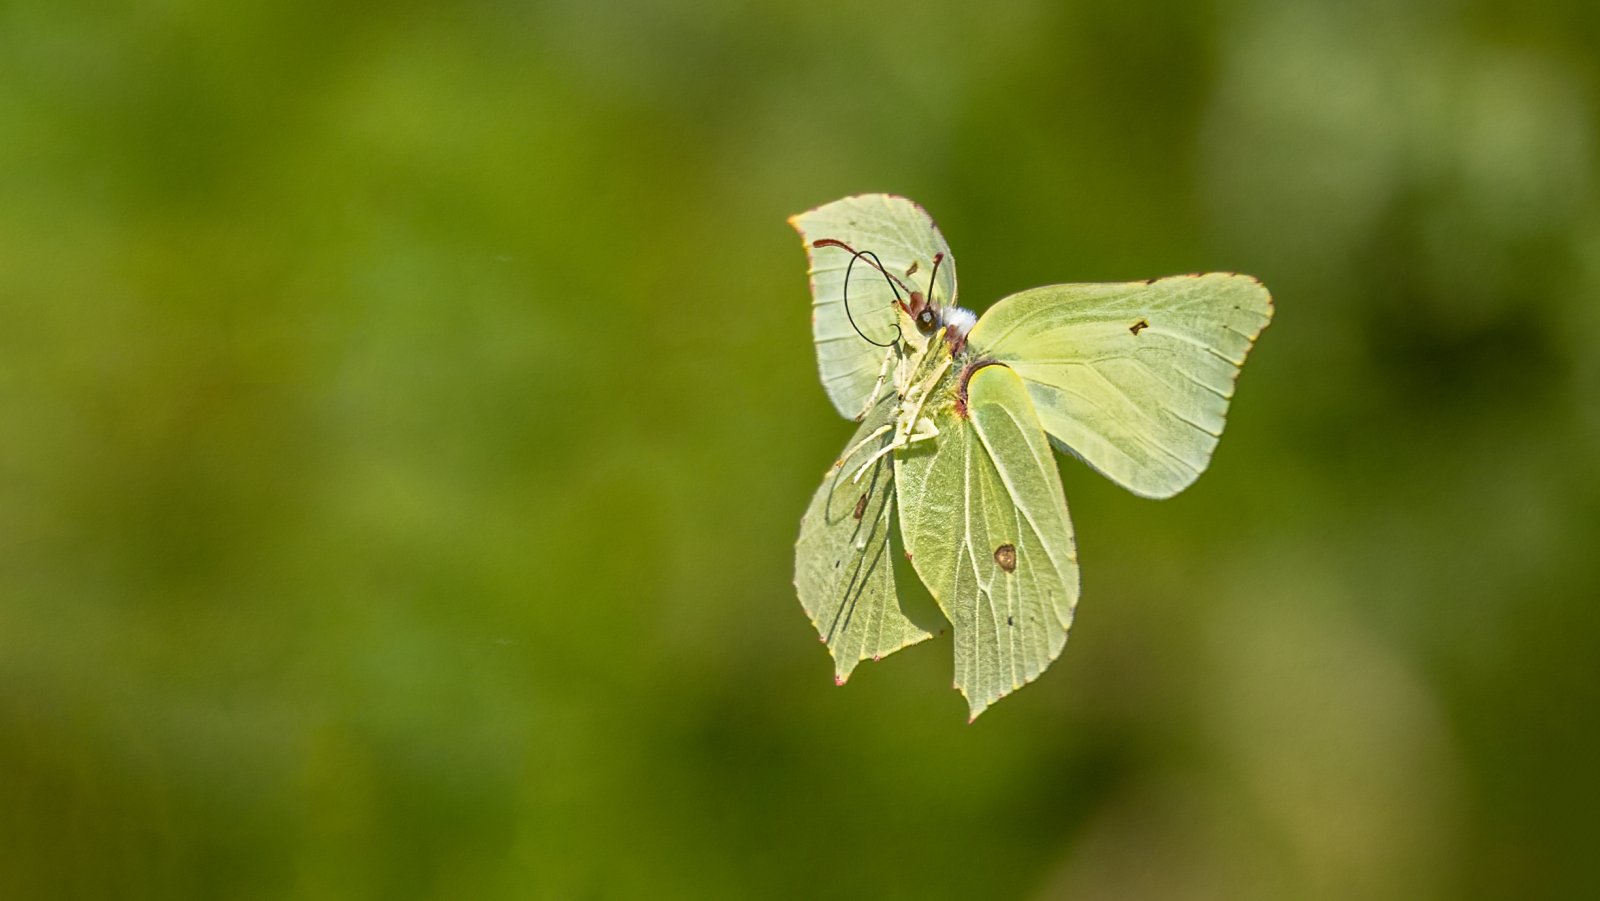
(959, 321)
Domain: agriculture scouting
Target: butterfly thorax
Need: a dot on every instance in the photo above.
(925, 375)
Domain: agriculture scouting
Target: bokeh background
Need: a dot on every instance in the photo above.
(406, 412)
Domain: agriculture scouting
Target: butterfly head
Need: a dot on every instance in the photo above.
(921, 317)
(930, 318)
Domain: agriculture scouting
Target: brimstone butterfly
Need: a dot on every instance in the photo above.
(957, 418)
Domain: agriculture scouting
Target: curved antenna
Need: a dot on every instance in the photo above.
(856, 255)
(835, 242)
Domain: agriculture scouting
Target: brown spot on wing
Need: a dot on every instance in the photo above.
(1139, 326)
(1006, 556)
(861, 507)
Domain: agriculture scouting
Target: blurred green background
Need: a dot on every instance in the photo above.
(406, 413)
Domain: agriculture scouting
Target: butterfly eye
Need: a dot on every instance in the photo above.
(927, 322)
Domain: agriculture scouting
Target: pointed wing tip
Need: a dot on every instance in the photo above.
(1266, 294)
(842, 669)
(975, 707)
(798, 223)
(800, 228)
(1258, 283)
(796, 220)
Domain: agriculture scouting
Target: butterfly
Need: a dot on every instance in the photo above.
(952, 458)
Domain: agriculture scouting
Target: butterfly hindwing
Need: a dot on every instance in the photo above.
(904, 238)
(1134, 378)
(985, 520)
(844, 564)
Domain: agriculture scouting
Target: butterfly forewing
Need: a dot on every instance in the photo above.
(844, 564)
(986, 523)
(1134, 378)
(900, 235)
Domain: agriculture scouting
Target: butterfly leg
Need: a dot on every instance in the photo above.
(876, 433)
(877, 455)
(910, 425)
(899, 440)
(911, 420)
(872, 396)
(923, 430)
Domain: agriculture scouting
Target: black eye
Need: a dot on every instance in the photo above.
(926, 322)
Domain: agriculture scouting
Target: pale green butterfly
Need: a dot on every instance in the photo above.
(1132, 378)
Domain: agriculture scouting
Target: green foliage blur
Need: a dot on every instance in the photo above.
(406, 413)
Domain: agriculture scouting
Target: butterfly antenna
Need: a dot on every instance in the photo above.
(856, 255)
(934, 275)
